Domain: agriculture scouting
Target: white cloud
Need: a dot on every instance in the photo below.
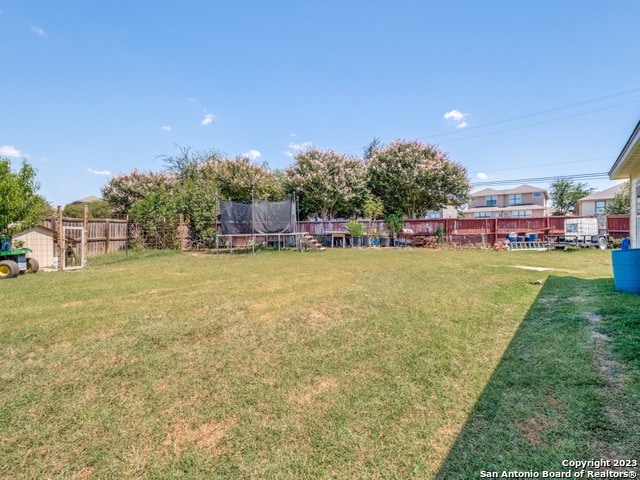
(39, 31)
(252, 154)
(10, 151)
(482, 176)
(166, 128)
(456, 116)
(300, 146)
(208, 119)
(98, 172)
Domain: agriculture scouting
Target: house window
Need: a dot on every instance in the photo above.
(601, 206)
(537, 194)
(473, 199)
(521, 213)
(515, 199)
(482, 215)
(491, 200)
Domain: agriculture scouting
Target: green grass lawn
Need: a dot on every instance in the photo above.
(371, 364)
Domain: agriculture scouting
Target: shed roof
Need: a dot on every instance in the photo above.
(40, 228)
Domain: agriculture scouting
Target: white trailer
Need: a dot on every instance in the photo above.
(584, 232)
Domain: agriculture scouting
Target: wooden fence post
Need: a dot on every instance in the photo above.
(85, 237)
(181, 232)
(106, 236)
(60, 238)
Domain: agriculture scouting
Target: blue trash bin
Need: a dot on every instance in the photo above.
(626, 269)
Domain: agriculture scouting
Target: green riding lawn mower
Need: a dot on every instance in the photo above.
(14, 262)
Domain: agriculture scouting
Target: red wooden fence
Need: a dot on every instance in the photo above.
(464, 231)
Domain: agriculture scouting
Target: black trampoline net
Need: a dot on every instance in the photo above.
(259, 218)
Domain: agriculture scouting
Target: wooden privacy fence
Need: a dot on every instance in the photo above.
(465, 231)
(102, 235)
(105, 235)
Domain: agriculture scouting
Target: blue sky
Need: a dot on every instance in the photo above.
(510, 89)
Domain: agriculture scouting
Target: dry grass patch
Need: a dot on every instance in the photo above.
(207, 436)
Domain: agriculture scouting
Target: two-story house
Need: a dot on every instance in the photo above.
(597, 203)
(520, 202)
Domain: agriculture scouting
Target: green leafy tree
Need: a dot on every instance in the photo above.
(157, 215)
(371, 149)
(395, 224)
(96, 209)
(564, 193)
(99, 209)
(123, 191)
(203, 178)
(200, 205)
(241, 180)
(20, 206)
(328, 184)
(73, 210)
(187, 165)
(621, 203)
(373, 208)
(196, 192)
(411, 178)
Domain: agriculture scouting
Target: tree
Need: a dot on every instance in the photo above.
(187, 165)
(157, 216)
(241, 180)
(96, 209)
(123, 191)
(564, 194)
(20, 206)
(370, 149)
(621, 203)
(328, 184)
(411, 178)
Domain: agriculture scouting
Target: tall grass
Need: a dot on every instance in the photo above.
(341, 364)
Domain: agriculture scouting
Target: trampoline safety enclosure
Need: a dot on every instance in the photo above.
(261, 219)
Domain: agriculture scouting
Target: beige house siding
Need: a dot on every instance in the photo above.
(446, 212)
(627, 167)
(523, 201)
(598, 202)
(589, 207)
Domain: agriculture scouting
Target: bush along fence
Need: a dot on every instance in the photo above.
(98, 236)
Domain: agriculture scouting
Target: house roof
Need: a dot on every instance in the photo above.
(521, 189)
(89, 199)
(629, 158)
(607, 194)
